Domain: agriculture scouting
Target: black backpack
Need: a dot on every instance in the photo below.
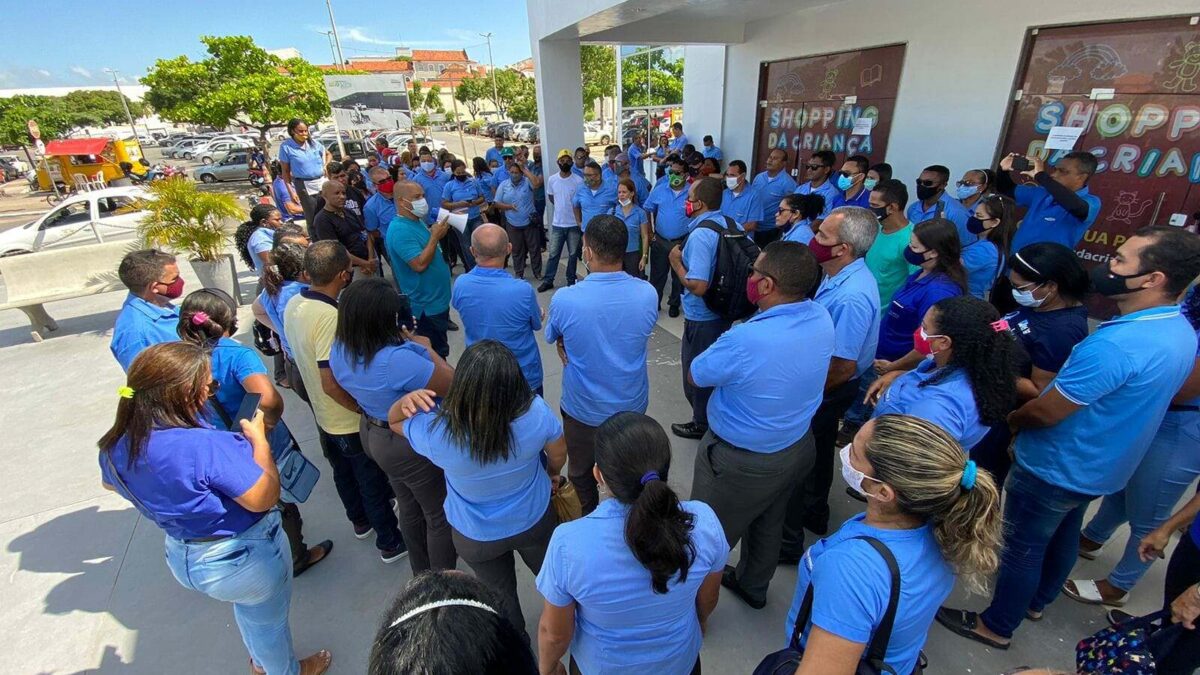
(736, 253)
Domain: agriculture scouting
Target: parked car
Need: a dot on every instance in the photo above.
(233, 166)
(111, 213)
(514, 134)
(399, 141)
(178, 150)
(502, 130)
(215, 150)
(594, 134)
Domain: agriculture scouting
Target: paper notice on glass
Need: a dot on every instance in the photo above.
(457, 220)
(1063, 138)
(862, 126)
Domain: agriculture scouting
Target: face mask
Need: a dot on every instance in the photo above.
(913, 257)
(1109, 283)
(689, 209)
(880, 212)
(1025, 298)
(926, 193)
(516, 179)
(844, 182)
(564, 166)
(420, 207)
(386, 186)
(976, 226)
(870, 183)
(965, 191)
(427, 167)
(853, 477)
(820, 251)
(921, 341)
(675, 181)
(173, 289)
(460, 177)
(731, 182)
(625, 202)
(752, 293)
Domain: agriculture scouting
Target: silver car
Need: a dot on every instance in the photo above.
(233, 166)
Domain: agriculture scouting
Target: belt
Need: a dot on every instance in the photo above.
(206, 540)
(295, 177)
(375, 422)
(1183, 408)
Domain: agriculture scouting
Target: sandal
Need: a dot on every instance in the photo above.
(963, 623)
(1087, 592)
(255, 670)
(1034, 616)
(317, 663)
(325, 547)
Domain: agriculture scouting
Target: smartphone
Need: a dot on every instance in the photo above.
(1021, 163)
(248, 408)
(405, 315)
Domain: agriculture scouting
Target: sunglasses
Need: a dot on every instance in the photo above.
(848, 174)
(814, 167)
(926, 183)
(965, 183)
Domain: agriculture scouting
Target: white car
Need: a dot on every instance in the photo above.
(218, 149)
(514, 134)
(594, 134)
(88, 218)
(399, 142)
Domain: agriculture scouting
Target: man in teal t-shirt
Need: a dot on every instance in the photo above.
(885, 258)
(416, 259)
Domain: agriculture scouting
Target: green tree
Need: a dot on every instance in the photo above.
(598, 65)
(469, 92)
(238, 82)
(662, 76)
(59, 115)
(433, 99)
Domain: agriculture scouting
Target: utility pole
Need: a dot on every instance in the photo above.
(128, 115)
(332, 52)
(336, 39)
(492, 65)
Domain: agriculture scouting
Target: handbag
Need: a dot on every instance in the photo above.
(1128, 648)
(565, 501)
(788, 659)
(297, 475)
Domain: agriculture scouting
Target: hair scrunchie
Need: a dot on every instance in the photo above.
(968, 476)
(649, 476)
(199, 319)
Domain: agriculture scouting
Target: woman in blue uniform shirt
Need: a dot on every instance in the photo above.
(994, 222)
(212, 492)
(282, 280)
(796, 216)
(965, 382)
(489, 436)
(637, 251)
(936, 513)
(629, 587)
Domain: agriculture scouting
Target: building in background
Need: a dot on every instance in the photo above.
(524, 67)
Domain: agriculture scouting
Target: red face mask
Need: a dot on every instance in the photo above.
(689, 209)
(921, 342)
(173, 289)
(820, 251)
(386, 186)
(752, 293)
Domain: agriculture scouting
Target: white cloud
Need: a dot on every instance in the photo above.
(356, 34)
(81, 71)
(43, 72)
(461, 35)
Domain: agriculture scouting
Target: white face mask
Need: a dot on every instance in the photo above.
(731, 182)
(420, 207)
(625, 202)
(1025, 298)
(853, 477)
(427, 167)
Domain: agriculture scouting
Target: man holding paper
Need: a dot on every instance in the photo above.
(1060, 206)
(416, 257)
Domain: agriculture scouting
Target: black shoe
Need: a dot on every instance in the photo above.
(325, 547)
(731, 583)
(818, 524)
(545, 286)
(673, 311)
(1116, 616)
(390, 556)
(689, 430)
(450, 325)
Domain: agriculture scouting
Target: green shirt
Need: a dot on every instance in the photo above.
(428, 291)
(886, 261)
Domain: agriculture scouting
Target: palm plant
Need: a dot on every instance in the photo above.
(183, 219)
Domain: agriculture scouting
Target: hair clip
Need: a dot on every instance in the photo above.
(1001, 325)
(125, 392)
(649, 476)
(199, 318)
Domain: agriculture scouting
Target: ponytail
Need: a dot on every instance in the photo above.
(633, 454)
(206, 316)
(287, 264)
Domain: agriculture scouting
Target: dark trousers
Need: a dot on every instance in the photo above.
(450, 248)
(434, 327)
(293, 526)
(764, 237)
(991, 453)
(493, 562)
(697, 336)
(525, 243)
(464, 243)
(574, 667)
(660, 269)
(1182, 573)
(749, 492)
(420, 489)
(581, 457)
(309, 204)
(630, 264)
(808, 505)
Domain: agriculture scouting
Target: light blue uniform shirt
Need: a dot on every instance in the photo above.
(605, 322)
(429, 291)
(983, 263)
(948, 207)
(744, 207)
(676, 144)
(1124, 375)
(700, 259)
(763, 404)
(621, 625)
(520, 196)
(307, 162)
(434, 186)
(801, 232)
(667, 205)
(139, 325)
(1047, 221)
(275, 306)
(487, 182)
(852, 299)
(633, 223)
(773, 190)
(592, 203)
(493, 305)
(636, 157)
(827, 190)
(493, 154)
(500, 175)
(488, 502)
(464, 191)
(232, 363)
(395, 371)
(950, 403)
(378, 213)
(853, 587)
(261, 240)
(711, 152)
(642, 186)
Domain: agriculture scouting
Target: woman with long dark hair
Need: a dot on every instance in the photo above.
(302, 162)
(994, 222)
(255, 237)
(630, 586)
(377, 359)
(212, 492)
(796, 216)
(502, 449)
(282, 280)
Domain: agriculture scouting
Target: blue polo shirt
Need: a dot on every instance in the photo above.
(801, 232)
(429, 291)
(605, 322)
(711, 152)
(676, 144)
(597, 202)
(773, 190)
(493, 305)
(307, 162)
(908, 307)
(487, 182)
(983, 262)
(394, 371)
(261, 240)
(700, 258)
(464, 191)
(1123, 375)
(578, 171)
(621, 624)
(642, 186)
(636, 156)
(743, 208)
(232, 363)
(493, 154)
(139, 325)
(607, 175)
(948, 207)
(862, 199)
(852, 300)
(520, 196)
(434, 186)
(1047, 338)
(950, 403)
(500, 499)
(667, 205)
(1045, 220)
(633, 223)
(539, 194)
(762, 404)
(378, 213)
(274, 307)
(827, 190)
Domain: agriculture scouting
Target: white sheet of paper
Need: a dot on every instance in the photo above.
(862, 126)
(457, 220)
(1063, 138)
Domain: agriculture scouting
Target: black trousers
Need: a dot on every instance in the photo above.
(991, 453)
(1182, 572)
(630, 264)
(660, 268)
(525, 243)
(581, 457)
(434, 327)
(309, 204)
(808, 505)
(697, 336)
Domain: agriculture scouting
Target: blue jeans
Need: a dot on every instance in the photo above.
(253, 571)
(1171, 464)
(859, 412)
(1042, 523)
(573, 238)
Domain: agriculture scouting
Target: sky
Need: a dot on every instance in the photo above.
(71, 42)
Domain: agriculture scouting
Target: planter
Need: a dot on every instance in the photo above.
(219, 274)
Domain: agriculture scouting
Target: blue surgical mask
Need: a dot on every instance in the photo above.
(844, 182)
(1025, 298)
(870, 183)
(966, 191)
(428, 167)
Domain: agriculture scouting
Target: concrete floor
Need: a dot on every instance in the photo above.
(85, 588)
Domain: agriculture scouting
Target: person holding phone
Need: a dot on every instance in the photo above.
(212, 492)
(1060, 207)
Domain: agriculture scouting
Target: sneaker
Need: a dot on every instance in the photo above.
(363, 531)
(390, 556)
(450, 325)
(689, 430)
(673, 311)
(545, 286)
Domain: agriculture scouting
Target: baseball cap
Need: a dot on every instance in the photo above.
(563, 153)
(506, 152)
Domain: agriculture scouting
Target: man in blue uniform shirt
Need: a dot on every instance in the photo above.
(669, 225)
(710, 150)
(640, 184)
(582, 155)
(851, 183)
(933, 202)
(636, 152)
(147, 317)
(773, 185)
(678, 138)
(463, 192)
(602, 327)
(1088, 431)
(493, 153)
(741, 201)
(760, 439)
(514, 197)
(595, 197)
(818, 172)
(1060, 207)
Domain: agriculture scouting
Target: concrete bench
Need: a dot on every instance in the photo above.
(34, 279)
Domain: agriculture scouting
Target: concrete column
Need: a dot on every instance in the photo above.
(704, 95)
(559, 96)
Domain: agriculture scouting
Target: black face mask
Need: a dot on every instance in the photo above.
(565, 166)
(460, 176)
(925, 193)
(975, 225)
(879, 211)
(1109, 283)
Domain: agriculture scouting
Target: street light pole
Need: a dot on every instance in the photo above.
(336, 39)
(128, 115)
(492, 65)
(332, 52)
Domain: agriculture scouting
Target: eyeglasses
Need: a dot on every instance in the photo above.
(814, 167)
(926, 183)
(965, 183)
(848, 174)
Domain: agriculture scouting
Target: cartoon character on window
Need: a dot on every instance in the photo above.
(1186, 69)
(1128, 207)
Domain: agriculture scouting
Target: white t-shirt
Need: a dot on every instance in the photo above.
(563, 191)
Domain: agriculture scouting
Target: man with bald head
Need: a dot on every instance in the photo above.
(416, 259)
(335, 221)
(493, 305)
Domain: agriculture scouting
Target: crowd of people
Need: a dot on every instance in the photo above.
(939, 348)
